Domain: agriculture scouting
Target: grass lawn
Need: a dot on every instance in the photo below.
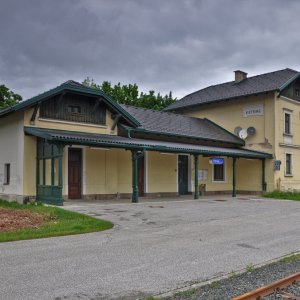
(45, 221)
(283, 195)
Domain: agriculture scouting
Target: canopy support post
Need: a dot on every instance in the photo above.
(196, 160)
(234, 177)
(135, 188)
(264, 184)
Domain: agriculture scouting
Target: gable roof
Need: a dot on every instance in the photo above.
(273, 81)
(166, 123)
(71, 86)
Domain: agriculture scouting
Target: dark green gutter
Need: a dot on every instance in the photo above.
(286, 84)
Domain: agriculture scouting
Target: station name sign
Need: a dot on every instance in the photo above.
(256, 110)
(217, 161)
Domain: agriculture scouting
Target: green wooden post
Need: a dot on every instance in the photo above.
(135, 188)
(264, 184)
(60, 173)
(234, 177)
(196, 194)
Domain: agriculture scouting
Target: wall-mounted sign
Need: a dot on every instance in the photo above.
(202, 174)
(255, 110)
(277, 164)
(217, 161)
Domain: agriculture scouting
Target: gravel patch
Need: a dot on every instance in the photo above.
(239, 284)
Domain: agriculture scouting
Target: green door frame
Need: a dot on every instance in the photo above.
(49, 193)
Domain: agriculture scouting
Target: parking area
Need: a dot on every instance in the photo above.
(154, 247)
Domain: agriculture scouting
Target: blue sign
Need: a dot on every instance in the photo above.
(217, 161)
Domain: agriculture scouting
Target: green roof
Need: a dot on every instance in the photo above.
(113, 141)
(75, 87)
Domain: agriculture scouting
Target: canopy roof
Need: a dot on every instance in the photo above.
(112, 141)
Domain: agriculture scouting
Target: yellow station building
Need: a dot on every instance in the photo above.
(75, 142)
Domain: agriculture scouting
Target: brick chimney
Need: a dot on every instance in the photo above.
(240, 75)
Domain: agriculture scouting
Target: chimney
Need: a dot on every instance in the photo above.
(240, 75)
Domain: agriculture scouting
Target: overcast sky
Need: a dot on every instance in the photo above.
(177, 45)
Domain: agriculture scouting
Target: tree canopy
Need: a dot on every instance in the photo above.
(130, 95)
(8, 97)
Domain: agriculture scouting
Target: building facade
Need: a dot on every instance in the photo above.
(74, 142)
(268, 106)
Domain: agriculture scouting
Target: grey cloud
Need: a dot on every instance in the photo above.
(178, 45)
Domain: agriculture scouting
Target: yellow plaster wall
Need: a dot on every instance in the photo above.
(283, 182)
(248, 175)
(203, 164)
(162, 172)
(229, 115)
(124, 171)
(71, 126)
(108, 172)
(29, 170)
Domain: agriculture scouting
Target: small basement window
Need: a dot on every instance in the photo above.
(288, 164)
(7, 174)
(74, 109)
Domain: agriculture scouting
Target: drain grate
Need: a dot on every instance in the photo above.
(156, 206)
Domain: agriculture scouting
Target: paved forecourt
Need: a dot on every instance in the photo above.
(154, 247)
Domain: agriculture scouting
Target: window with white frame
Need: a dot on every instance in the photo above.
(288, 164)
(219, 172)
(287, 122)
(6, 174)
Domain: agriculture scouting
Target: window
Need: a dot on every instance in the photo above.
(7, 174)
(297, 92)
(219, 172)
(74, 109)
(288, 164)
(287, 123)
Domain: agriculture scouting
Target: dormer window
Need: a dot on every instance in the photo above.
(74, 109)
(297, 92)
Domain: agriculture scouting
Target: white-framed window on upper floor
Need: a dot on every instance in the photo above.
(288, 171)
(287, 122)
(297, 92)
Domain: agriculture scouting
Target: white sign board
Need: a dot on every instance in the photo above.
(256, 110)
(202, 174)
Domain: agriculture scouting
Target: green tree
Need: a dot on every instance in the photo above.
(8, 97)
(130, 95)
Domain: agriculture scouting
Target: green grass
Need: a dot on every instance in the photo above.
(291, 258)
(250, 268)
(283, 195)
(61, 222)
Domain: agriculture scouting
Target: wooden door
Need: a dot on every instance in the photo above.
(183, 174)
(141, 172)
(74, 173)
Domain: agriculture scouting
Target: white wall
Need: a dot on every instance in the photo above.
(12, 152)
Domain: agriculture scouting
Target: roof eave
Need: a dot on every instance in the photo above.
(68, 87)
(242, 143)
